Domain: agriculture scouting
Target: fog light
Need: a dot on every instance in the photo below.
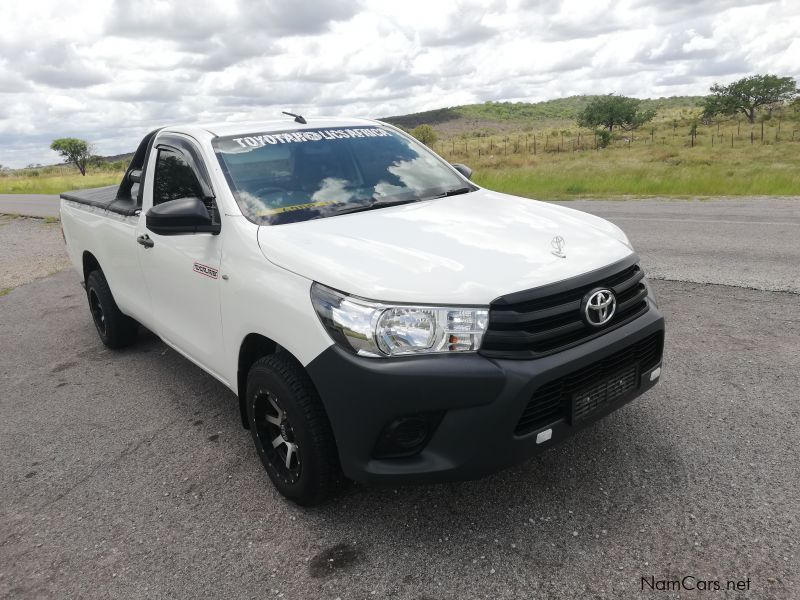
(406, 436)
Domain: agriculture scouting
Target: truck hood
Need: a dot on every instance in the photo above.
(466, 249)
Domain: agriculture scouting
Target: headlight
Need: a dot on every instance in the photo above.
(376, 329)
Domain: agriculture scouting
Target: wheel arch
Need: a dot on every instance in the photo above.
(253, 347)
(90, 263)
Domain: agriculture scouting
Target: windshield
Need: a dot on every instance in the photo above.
(297, 175)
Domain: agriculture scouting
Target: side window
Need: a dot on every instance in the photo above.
(174, 178)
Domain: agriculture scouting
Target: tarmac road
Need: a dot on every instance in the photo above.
(750, 242)
(30, 205)
(127, 474)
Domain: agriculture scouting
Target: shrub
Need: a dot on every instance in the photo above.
(425, 134)
(603, 137)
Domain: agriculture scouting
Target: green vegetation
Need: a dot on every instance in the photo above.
(750, 94)
(647, 171)
(425, 134)
(538, 150)
(4, 291)
(564, 109)
(74, 151)
(614, 111)
(26, 183)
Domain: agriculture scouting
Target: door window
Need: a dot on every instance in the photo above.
(174, 178)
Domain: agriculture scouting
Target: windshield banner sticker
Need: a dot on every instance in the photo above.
(258, 141)
(283, 209)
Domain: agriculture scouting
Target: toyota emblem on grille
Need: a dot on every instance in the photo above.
(599, 307)
(558, 243)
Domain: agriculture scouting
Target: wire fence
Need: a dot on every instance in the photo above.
(563, 141)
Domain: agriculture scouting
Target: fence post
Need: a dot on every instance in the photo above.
(534, 144)
(762, 132)
(712, 140)
(731, 139)
(752, 138)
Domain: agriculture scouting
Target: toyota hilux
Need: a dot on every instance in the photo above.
(378, 315)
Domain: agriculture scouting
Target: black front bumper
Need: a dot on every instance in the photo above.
(481, 401)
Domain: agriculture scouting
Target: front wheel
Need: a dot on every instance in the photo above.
(291, 430)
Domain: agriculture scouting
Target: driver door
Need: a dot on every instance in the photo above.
(182, 270)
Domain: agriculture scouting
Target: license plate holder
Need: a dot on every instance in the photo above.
(603, 392)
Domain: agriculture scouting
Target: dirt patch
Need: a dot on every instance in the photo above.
(29, 249)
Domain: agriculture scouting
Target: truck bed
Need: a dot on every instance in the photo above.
(105, 198)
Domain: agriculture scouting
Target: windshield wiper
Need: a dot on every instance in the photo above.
(375, 205)
(454, 192)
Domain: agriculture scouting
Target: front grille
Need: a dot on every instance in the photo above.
(591, 387)
(545, 320)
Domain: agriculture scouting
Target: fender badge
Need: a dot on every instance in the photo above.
(206, 270)
(558, 244)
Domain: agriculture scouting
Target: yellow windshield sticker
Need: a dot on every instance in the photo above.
(274, 211)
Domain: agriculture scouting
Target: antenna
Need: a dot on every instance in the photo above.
(297, 118)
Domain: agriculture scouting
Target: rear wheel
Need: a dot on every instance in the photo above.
(291, 430)
(115, 329)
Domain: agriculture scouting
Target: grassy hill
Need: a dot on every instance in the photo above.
(525, 113)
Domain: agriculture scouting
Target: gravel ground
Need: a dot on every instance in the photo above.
(29, 249)
(127, 474)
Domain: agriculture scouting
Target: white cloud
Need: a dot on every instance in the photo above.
(110, 71)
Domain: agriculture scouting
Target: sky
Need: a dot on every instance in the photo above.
(109, 71)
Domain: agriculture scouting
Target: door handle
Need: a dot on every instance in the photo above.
(145, 241)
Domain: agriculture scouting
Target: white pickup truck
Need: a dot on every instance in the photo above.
(377, 314)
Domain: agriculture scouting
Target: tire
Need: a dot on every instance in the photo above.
(287, 420)
(115, 329)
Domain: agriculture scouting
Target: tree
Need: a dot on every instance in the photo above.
(749, 94)
(614, 111)
(75, 151)
(425, 134)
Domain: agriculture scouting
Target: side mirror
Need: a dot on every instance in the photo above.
(181, 216)
(463, 169)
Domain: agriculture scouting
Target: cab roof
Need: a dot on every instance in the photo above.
(241, 128)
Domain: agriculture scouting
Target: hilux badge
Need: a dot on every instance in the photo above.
(558, 244)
